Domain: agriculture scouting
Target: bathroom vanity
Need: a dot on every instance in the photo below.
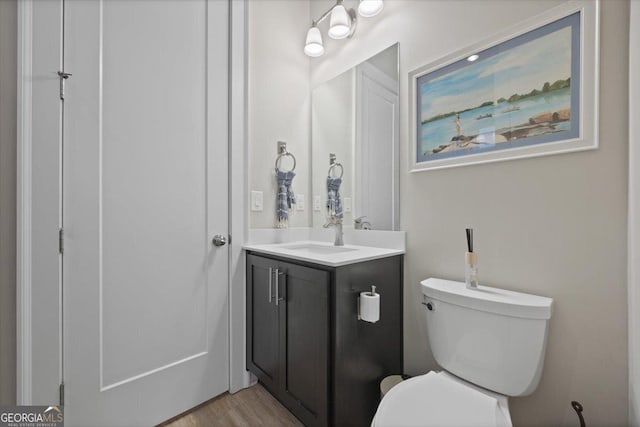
(305, 342)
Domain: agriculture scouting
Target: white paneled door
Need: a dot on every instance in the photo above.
(145, 181)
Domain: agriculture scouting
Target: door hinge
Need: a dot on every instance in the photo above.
(62, 393)
(61, 240)
(63, 76)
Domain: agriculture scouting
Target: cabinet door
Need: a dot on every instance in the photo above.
(304, 342)
(263, 358)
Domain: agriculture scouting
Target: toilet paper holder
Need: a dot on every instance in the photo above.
(376, 300)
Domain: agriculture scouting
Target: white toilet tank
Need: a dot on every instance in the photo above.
(491, 337)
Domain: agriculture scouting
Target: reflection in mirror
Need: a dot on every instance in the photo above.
(355, 116)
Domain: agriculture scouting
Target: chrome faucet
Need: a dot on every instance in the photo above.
(360, 224)
(337, 224)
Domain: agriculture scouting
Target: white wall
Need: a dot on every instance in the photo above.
(554, 226)
(634, 213)
(278, 102)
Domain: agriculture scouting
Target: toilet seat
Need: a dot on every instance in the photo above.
(441, 399)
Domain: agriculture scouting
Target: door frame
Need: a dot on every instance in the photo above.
(26, 220)
(31, 260)
(633, 285)
(23, 207)
(239, 377)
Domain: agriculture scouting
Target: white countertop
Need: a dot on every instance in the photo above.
(323, 253)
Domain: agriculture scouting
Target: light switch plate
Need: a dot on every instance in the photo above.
(299, 202)
(347, 204)
(317, 204)
(256, 201)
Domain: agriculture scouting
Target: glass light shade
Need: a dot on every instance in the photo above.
(369, 8)
(313, 46)
(340, 24)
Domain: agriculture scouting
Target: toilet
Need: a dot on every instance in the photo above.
(490, 344)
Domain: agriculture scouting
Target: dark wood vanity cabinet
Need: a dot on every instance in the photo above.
(288, 331)
(305, 342)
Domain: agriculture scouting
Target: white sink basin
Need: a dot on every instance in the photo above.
(317, 249)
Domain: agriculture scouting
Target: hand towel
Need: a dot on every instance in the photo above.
(334, 204)
(285, 198)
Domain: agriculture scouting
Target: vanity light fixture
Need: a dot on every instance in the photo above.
(313, 47)
(342, 24)
(369, 8)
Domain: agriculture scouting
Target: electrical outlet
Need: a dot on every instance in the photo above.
(317, 204)
(347, 204)
(299, 202)
(256, 201)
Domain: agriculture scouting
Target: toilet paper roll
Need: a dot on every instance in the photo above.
(369, 306)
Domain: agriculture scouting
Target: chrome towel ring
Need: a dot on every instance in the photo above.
(333, 164)
(282, 154)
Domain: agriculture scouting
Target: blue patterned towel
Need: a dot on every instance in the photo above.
(334, 204)
(285, 198)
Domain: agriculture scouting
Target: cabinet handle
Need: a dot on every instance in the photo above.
(277, 286)
(278, 273)
(270, 279)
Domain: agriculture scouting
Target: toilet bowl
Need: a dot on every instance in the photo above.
(439, 399)
(491, 344)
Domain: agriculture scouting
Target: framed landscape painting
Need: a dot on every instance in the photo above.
(530, 91)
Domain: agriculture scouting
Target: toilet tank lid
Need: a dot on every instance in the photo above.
(488, 299)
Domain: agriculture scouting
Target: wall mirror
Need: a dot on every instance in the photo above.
(355, 117)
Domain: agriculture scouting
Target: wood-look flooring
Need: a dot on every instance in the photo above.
(253, 406)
